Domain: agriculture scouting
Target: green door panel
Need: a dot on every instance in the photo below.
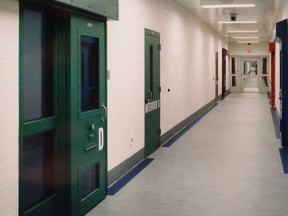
(38, 140)
(87, 114)
(152, 91)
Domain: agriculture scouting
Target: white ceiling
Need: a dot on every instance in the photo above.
(264, 12)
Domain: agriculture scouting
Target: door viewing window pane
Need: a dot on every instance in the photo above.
(89, 180)
(37, 67)
(234, 81)
(151, 69)
(37, 168)
(89, 73)
(264, 68)
(233, 66)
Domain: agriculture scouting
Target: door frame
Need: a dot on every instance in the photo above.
(225, 53)
(282, 34)
(216, 75)
(258, 75)
(272, 71)
(239, 72)
(236, 77)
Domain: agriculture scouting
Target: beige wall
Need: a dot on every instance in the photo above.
(187, 69)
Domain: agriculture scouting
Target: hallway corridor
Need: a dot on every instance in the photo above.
(228, 164)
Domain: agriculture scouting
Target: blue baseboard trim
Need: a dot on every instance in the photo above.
(118, 185)
(284, 159)
(120, 170)
(275, 123)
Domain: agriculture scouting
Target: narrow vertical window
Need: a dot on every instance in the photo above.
(89, 73)
(37, 67)
(151, 69)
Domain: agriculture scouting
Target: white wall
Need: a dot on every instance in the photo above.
(9, 107)
(187, 68)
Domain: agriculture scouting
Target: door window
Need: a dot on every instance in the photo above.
(89, 180)
(89, 73)
(37, 67)
(38, 168)
(264, 73)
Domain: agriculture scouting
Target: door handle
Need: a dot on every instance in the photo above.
(105, 109)
(151, 93)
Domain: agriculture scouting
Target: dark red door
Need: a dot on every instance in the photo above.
(272, 51)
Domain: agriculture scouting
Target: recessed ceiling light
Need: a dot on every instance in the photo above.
(228, 6)
(245, 37)
(244, 31)
(238, 22)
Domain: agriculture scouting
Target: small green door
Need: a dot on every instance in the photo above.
(87, 114)
(152, 91)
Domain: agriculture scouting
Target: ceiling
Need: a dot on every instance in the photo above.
(264, 12)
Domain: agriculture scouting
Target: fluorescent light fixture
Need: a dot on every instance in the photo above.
(245, 37)
(244, 31)
(238, 22)
(228, 6)
(247, 41)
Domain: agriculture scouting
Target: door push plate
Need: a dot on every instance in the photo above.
(101, 139)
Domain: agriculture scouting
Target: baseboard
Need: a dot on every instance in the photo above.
(169, 134)
(118, 171)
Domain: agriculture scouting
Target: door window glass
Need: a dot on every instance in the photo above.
(234, 81)
(89, 73)
(89, 180)
(233, 66)
(264, 66)
(37, 168)
(151, 70)
(37, 67)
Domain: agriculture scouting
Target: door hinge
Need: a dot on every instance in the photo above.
(159, 131)
(159, 89)
(159, 47)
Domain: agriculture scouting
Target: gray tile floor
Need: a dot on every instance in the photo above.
(228, 164)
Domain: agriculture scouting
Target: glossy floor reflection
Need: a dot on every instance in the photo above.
(228, 164)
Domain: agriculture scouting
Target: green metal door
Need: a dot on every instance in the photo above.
(87, 114)
(152, 91)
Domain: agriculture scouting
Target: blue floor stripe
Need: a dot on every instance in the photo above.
(276, 123)
(128, 176)
(188, 127)
(284, 159)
